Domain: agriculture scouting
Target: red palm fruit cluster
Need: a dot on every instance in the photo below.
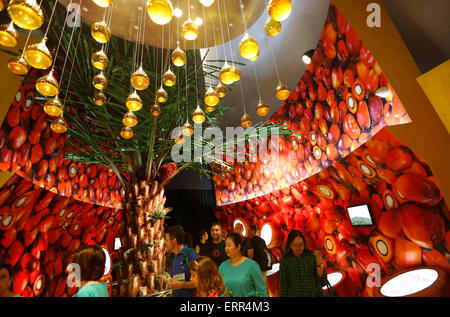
(40, 230)
(334, 108)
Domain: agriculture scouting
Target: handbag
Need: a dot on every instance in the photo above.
(331, 292)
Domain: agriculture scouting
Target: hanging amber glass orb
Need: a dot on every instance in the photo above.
(189, 29)
(155, 110)
(103, 3)
(210, 109)
(8, 35)
(100, 98)
(180, 139)
(198, 116)
(169, 78)
(279, 10)
(100, 32)
(178, 57)
(262, 109)
(188, 129)
(134, 102)
(18, 66)
(221, 90)
(139, 80)
(100, 82)
(254, 58)
(54, 107)
(248, 47)
(160, 11)
(129, 119)
(100, 60)
(211, 97)
(47, 85)
(236, 73)
(272, 27)
(126, 133)
(282, 91)
(38, 55)
(226, 74)
(26, 14)
(161, 95)
(246, 121)
(59, 125)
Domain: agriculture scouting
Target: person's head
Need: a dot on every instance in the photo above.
(239, 228)
(91, 260)
(233, 244)
(296, 243)
(206, 277)
(174, 237)
(252, 231)
(216, 232)
(6, 277)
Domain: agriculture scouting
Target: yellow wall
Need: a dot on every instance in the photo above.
(436, 85)
(426, 135)
(9, 84)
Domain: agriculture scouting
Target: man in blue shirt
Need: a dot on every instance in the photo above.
(180, 257)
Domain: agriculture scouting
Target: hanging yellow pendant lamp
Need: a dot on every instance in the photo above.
(169, 78)
(226, 74)
(160, 11)
(180, 139)
(248, 47)
(100, 32)
(100, 60)
(246, 121)
(210, 109)
(18, 66)
(189, 29)
(178, 57)
(47, 85)
(134, 102)
(272, 27)
(54, 107)
(103, 3)
(279, 10)
(100, 98)
(59, 125)
(262, 109)
(161, 95)
(139, 79)
(8, 35)
(129, 119)
(198, 116)
(26, 14)
(126, 133)
(282, 91)
(155, 109)
(221, 90)
(236, 73)
(211, 97)
(100, 82)
(188, 129)
(38, 55)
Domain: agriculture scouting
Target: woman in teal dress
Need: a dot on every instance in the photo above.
(242, 276)
(91, 260)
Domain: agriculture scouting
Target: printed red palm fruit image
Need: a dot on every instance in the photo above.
(9, 237)
(399, 159)
(28, 262)
(37, 153)
(15, 252)
(365, 259)
(30, 236)
(383, 246)
(342, 52)
(13, 117)
(390, 224)
(375, 109)
(17, 137)
(414, 187)
(20, 282)
(407, 253)
(39, 285)
(351, 127)
(362, 116)
(330, 243)
(353, 41)
(433, 257)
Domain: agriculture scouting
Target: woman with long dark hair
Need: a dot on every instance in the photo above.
(301, 270)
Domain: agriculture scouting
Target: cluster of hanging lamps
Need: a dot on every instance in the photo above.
(279, 10)
(198, 116)
(47, 85)
(103, 3)
(211, 97)
(272, 27)
(282, 91)
(59, 125)
(221, 90)
(169, 79)
(134, 102)
(38, 55)
(100, 98)
(161, 95)
(18, 66)
(139, 79)
(129, 119)
(246, 121)
(8, 35)
(126, 133)
(160, 11)
(187, 129)
(189, 29)
(100, 60)
(54, 107)
(155, 109)
(248, 47)
(229, 74)
(26, 14)
(180, 139)
(100, 82)
(100, 32)
(262, 109)
(178, 57)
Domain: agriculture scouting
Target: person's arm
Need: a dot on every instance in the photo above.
(250, 253)
(319, 267)
(256, 275)
(284, 278)
(197, 249)
(178, 285)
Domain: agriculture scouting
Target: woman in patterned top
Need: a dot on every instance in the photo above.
(206, 278)
(301, 270)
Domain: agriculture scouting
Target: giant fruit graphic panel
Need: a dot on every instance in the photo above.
(39, 231)
(340, 102)
(411, 218)
(32, 150)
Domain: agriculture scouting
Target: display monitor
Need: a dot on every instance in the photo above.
(360, 215)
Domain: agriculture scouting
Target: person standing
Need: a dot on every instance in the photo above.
(200, 246)
(242, 276)
(301, 270)
(179, 261)
(6, 279)
(215, 249)
(259, 251)
(91, 260)
(206, 278)
(246, 246)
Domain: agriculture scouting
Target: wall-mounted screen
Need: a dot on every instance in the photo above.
(360, 215)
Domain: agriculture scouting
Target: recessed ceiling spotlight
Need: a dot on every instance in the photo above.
(177, 12)
(307, 57)
(198, 21)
